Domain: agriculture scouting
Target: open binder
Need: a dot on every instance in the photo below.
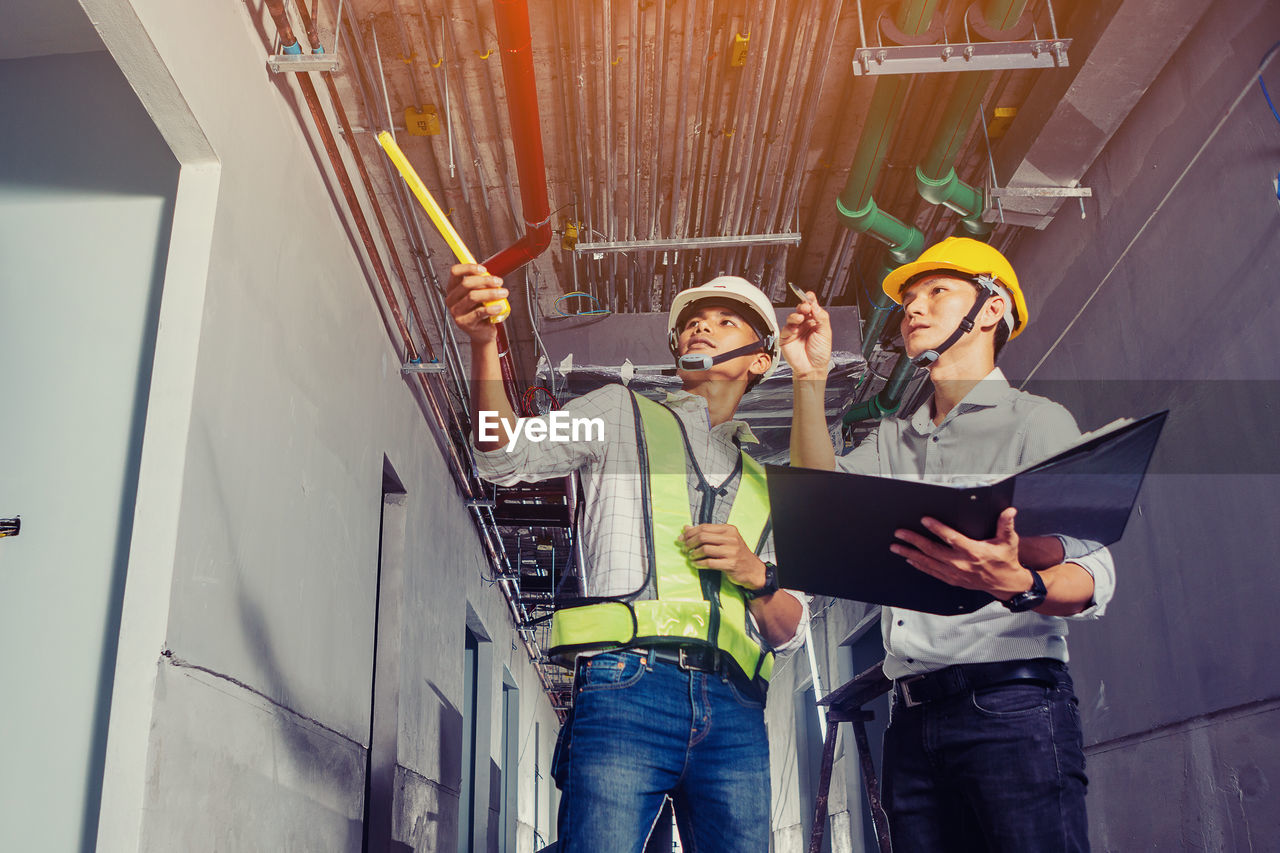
(833, 530)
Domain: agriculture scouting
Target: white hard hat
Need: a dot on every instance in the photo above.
(739, 291)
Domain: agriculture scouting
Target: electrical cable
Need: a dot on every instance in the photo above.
(601, 310)
(530, 293)
(1262, 84)
(529, 399)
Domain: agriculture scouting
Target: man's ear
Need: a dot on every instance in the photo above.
(992, 313)
(760, 364)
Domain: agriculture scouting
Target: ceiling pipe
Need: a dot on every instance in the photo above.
(515, 44)
(786, 187)
(437, 421)
(669, 285)
(857, 208)
(936, 178)
(285, 33)
(362, 78)
(937, 183)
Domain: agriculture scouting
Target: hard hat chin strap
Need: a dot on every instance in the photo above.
(704, 361)
(987, 286)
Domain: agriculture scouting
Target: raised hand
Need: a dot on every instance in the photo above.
(806, 339)
(470, 286)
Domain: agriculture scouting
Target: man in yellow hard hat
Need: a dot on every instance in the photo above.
(984, 749)
(674, 642)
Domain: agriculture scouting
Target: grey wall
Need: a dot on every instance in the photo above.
(1165, 296)
(1178, 682)
(86, 200)
(253, 695)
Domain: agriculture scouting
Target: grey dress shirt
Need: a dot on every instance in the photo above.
(992, 433)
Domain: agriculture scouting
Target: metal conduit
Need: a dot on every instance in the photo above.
(463, 475)
(313, 36)
(483, 220)
(289, 40)
(787, 30)
(785, 173)
(804, 131)
(660, 59)
(682, 105)
(362, 78)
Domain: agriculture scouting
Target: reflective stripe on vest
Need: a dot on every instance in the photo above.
(682, 609)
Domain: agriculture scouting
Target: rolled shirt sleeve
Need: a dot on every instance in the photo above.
(1050, 429)
(1096, 560)
(527, 461)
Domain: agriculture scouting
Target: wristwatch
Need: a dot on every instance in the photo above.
(1030, 599)
(770, 584)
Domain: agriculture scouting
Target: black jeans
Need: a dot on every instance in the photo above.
(1000, 768)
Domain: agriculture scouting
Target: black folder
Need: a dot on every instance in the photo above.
(833, 530)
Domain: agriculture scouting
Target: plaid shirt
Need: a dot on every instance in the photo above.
(613, 535)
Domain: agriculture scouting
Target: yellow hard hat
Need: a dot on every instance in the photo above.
(970, 258)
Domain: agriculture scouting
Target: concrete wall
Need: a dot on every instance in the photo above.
(1178, 682)
(87, 188)
(242, 699)
(1164, 297)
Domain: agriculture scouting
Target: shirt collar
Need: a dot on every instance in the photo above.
(736, 429)
(992, 390)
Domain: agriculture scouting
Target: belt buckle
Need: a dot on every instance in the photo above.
(699, 665)
(904, 684)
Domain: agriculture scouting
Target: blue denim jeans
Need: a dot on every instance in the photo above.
(642, 729)
(994, 769)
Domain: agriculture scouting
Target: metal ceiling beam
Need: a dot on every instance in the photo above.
(791, 238)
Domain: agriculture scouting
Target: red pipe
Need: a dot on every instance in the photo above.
(515, 44)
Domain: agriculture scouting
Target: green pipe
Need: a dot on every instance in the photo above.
(877, 133)
(936, 178)
(889, 398)
(955, 194)
(955, 123)
(881, 307)
(883, 113)
(905, 242)
(857, 208)
(966, 98)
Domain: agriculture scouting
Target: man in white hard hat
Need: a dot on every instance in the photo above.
(674, 643)
(984, 749)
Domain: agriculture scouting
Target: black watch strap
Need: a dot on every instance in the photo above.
(1030, 599)
(770, 584)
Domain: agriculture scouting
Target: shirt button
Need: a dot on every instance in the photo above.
(899, 621)
(935, 438)
(911, 660)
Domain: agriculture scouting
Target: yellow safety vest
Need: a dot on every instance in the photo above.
(693, 606)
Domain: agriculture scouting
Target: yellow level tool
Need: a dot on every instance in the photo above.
(442, 223)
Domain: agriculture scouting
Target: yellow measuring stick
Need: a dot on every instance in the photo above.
(442, 223)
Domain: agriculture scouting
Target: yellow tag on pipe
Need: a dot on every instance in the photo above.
(442, 223)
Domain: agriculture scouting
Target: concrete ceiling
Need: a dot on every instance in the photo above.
(652, 132)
